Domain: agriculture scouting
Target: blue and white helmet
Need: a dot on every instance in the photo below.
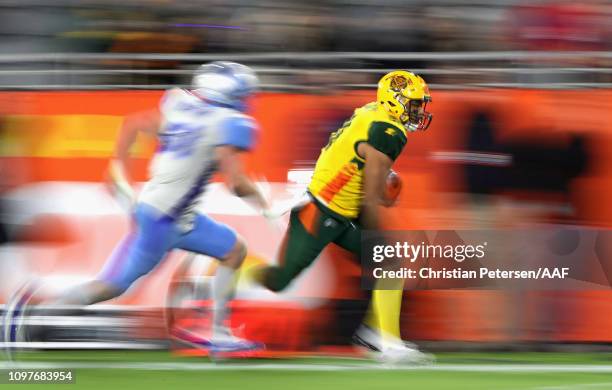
(224, 82)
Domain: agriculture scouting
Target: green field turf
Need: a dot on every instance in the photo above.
(454, 371)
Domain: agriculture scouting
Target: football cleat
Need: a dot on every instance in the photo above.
(389, 349)
(224, 341)
(190, 338)
(400, 353)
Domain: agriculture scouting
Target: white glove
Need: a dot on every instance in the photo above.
(278, 209)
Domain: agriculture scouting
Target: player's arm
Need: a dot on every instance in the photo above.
(231, 167)
(146, 122)
(375, 172)
(238, 136)
(385, 143)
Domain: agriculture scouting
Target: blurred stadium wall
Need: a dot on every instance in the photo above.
(559, 174)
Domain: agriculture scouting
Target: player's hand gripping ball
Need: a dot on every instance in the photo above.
(393, 187)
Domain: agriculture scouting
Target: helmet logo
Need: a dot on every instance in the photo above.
(399, 82)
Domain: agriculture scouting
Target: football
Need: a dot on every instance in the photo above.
(393, 186)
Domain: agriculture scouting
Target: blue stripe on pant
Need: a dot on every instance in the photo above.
(155, 235)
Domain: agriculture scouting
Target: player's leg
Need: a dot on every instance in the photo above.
(135, 256)
(383, 314)
(380, 330)
(101, 288)
(211, 238)
(309, 231)
(351, 241)
(385, 305)
(384, 311)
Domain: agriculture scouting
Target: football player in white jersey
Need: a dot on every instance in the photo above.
(201, 130)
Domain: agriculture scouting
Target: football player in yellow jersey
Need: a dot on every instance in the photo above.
(346, 192)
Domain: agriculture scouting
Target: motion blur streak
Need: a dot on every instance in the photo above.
(521, 138)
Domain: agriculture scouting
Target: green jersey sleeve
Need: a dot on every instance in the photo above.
(386, 138)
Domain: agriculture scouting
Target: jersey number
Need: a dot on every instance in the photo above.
(334, 136)
(179, 138)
